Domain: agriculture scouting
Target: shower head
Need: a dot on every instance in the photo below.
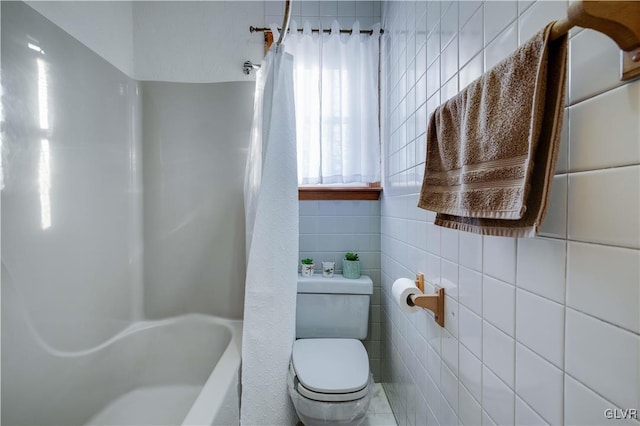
(249, 66)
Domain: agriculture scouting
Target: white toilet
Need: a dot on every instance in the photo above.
(329, 378)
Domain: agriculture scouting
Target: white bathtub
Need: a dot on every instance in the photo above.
(181, 370)
(189, 373)
(218, 402)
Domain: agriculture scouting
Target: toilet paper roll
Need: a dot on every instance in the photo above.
(401, 290)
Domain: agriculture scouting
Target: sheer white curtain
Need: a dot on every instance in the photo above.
(336, 94)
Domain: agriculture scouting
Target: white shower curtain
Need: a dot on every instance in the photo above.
(271, 213)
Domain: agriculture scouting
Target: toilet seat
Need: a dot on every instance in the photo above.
(331, 397)
(332, 370)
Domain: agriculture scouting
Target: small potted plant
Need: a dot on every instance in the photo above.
(351, 266)
(328, 268)
(307, 267)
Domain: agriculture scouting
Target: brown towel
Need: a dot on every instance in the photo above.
(492, 149)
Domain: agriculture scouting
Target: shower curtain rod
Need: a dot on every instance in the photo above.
(253, 29)
(285, 22)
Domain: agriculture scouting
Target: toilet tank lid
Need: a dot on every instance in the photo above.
(335, 285)
(331, 365)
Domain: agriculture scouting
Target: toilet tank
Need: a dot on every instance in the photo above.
(333, 307)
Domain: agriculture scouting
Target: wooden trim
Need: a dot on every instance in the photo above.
(367, 193)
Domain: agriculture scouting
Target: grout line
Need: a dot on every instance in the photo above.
(566, 291)
(601, 320)
(612, 404)
(601, 169)
(598, 93)
(515, 331)
(517, 396)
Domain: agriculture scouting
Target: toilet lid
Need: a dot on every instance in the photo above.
(331, 365)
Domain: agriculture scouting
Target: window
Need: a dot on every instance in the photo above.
(337, 110)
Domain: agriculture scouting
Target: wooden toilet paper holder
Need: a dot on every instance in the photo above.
(432, 302)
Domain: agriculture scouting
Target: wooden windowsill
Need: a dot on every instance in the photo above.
(369, 193)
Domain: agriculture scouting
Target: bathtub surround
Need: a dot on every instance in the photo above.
(200, 41)
(72, 195)
(106, 27)
(538, 331)
(194, 149)
(73, 213)
(271, 217)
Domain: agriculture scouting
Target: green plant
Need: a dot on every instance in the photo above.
(351, 256)
(307, 261)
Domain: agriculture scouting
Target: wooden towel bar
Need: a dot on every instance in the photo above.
(620, 20)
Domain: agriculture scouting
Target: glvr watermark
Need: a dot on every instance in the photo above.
(621, 413)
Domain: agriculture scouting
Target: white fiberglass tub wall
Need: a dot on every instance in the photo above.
(72, 247)
(71, 194)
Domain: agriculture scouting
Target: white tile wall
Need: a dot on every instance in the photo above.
(501, 46)
(585, 407)
(604, 206)
(540, 326)
(466, 9)
(471, 373)
(470, 331)
(539, 15)
(547, 328)
(622, 133)
(497, 16)
(555, 223)
(614, 351)
(498, 353)
(471, 289)
(471, 250)
(500, 258)
(450, 244)
(539, 384)
(549, 281)
(525, 416)
(598, 53)
(497, 399)
(603, 281)
(471, 37)
(471, 70)
(469, 409)
(498, 303)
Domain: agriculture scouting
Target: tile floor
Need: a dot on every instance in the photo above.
(379, 413)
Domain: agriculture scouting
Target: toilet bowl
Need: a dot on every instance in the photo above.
(329, 381)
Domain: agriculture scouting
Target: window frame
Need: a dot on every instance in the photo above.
(370, 192)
